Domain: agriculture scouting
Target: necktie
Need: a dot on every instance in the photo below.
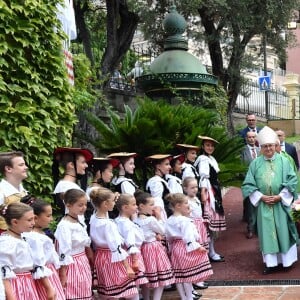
(253, 153)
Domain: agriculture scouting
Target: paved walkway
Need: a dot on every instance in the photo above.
(282, 292)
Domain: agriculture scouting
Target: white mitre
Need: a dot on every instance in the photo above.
(267, 136)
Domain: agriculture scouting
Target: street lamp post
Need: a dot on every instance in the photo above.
(266, 74)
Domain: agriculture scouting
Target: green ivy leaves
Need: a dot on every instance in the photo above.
(37, 111)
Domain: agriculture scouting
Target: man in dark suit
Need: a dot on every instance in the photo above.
(288, 148)
(251, 126)
(249, 153)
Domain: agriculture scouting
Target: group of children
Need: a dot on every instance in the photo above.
(156, 238)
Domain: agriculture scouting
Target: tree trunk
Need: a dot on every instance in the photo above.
(213, 41)
(234, 72)
(84, 34)
(230, 79)
(120, 27)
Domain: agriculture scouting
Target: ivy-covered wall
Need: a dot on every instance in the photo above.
(36, 109)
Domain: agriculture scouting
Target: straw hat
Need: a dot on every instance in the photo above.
(159, 157)
(207, 138)
(188, 147)
(267, 136)
(122, 154)
(88, 155)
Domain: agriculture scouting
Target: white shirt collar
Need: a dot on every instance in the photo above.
(271, 158)
(8, 189)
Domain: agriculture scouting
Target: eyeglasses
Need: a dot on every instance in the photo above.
(251, 120)
(268, 146)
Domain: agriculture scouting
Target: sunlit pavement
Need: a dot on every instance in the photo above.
(282, 292)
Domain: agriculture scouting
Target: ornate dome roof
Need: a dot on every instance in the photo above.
(175, 69)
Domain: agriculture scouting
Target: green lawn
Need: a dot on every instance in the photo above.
(292, 139)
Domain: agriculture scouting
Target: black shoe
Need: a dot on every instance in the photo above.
(221, 259)
(196, 295)
(269, 270)
(203, 286)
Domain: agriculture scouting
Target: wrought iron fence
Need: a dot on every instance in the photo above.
(252, 100)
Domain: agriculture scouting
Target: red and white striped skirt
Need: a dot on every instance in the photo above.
(79, 278)
(189, 266)
(24, 287)
(113, 280)
(55, 281)
(140, 275)
(215, 221)
(203, 233)
(158, 268)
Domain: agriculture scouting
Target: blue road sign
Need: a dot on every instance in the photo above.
(264, 83)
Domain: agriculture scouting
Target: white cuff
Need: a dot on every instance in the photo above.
(7, 272)
(255, 198)
(133, 250)
(191, 246)
(41, 272)
(65, 260)
(118, 255)
(286, 197)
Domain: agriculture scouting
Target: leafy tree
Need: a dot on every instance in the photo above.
(120, 23)
(157, 127)
(213, 98)
(90, 22)
(227, 26)
(37, 112)
(84, 93)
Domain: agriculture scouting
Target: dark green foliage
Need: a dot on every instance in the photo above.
(84, 93)
(156, 127)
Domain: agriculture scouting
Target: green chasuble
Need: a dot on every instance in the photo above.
(291, 160)
(275, 228)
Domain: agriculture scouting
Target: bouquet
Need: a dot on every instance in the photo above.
(295, 212)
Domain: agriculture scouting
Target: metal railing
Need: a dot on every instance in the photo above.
(252, 100)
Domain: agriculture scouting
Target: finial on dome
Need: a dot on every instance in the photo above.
(174, 25)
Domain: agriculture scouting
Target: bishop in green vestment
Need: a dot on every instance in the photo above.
(271, 186)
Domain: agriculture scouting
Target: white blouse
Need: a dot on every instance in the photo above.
(2, 291)
(174, 184)
(150, 227)
(65, 185)
(48, 253)
(195, 207)
(188, 170)
(16, 256)
(132, 234)
(181, 227)
(72, 239)
(104, 234)
(127, 185)
(155, 186)
(203, 164)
